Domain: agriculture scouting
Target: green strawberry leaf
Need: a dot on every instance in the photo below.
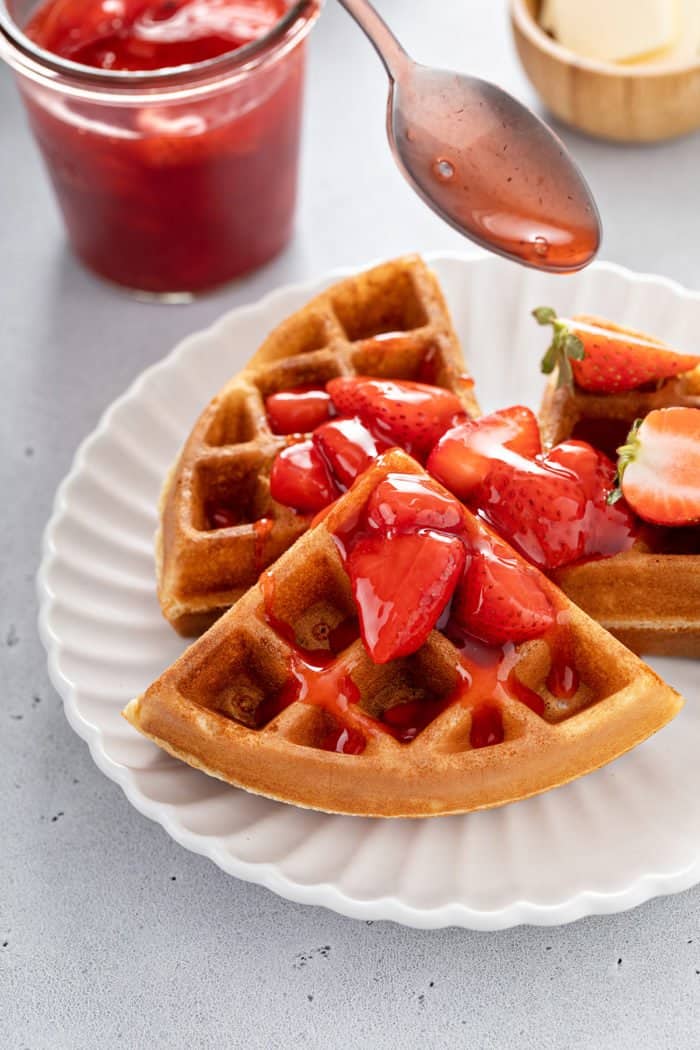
(544, 315)
(564, 348)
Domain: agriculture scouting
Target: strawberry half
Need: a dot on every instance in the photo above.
(406, 503)
(462, 457)
(401, 584)
(298, 411)
(607, 358)
(500, 599)
(301, 479)
(348, 448)
(659, 467)
(412, 415)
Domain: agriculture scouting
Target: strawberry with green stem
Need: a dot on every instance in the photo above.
(602, 357)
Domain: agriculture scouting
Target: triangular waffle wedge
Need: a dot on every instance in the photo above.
(649, 596)
(228, 456)
(243, 705)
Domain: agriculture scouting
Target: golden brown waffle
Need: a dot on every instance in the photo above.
(228, 456)
(208, 707)
(605, 419)
(649, 596)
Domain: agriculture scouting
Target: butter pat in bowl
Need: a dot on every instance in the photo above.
(627, 70)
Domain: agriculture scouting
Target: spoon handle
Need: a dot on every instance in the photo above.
(375, 28)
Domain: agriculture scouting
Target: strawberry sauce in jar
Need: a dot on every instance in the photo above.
(170, 130)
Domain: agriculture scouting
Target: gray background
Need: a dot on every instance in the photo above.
(112, 935)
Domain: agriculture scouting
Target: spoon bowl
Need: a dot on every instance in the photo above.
(483, 161)
(492, 169)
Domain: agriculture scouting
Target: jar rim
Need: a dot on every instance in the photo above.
(27, 58)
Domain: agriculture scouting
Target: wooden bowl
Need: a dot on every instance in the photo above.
(624, 103)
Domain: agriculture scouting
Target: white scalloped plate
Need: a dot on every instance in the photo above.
(602, 844)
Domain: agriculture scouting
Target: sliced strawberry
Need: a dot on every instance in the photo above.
(462, 458)
(401, 584)
(609, 529)
(501, 599)
(348, 447)
(299, 410)
(540, 510)
(659, 467)
(408, 502)
(607, 358)
(301, 479)
(524, 437)
(412, 415)
(456, 463)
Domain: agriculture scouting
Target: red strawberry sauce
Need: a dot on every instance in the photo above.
(487, 673)
(182, 196)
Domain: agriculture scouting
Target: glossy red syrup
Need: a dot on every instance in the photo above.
(487, 726)
(183, 197)
(316, 678)
(342, 636)
(492, 672)
(263, 527)
(219, 517)
(563, 679)
(604, 434)
(525, 694)
(607, 529)
(344, 741)
(428, 370)
(406, 720)
(298, 410)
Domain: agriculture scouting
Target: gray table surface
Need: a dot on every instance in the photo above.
(111, 934)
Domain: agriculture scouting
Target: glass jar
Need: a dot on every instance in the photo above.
(173, 181)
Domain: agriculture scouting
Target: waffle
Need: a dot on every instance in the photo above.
(228, 456)
(605, 419)
(218, 709)
(649, 596)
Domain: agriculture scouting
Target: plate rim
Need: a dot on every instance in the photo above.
(644, 887)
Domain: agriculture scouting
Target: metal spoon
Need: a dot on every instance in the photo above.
(483, 161)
